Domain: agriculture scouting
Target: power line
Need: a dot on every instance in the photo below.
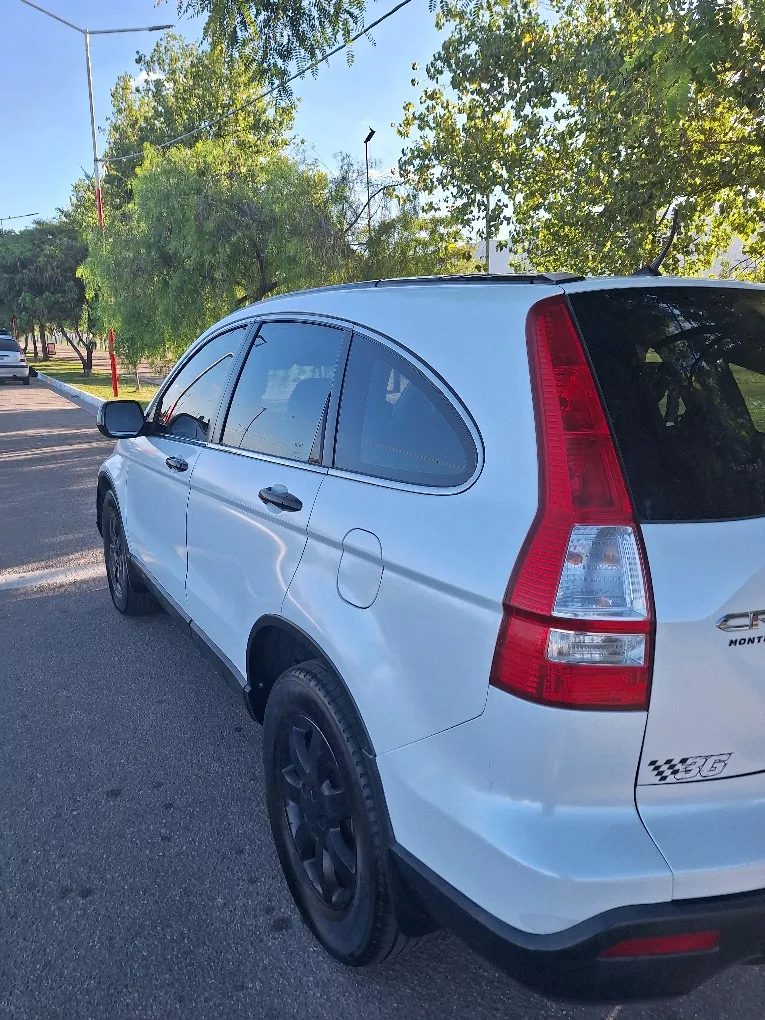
(263, 95)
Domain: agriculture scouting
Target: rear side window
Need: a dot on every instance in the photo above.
(395, 424)
(682, 372)
(282, 397)
(8, 344)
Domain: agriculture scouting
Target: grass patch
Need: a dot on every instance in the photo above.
(97, 383)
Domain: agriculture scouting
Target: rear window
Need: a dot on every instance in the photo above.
(8, 344)
(682, 372)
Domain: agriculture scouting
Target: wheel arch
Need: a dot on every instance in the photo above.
(105, 484)
(274, 645)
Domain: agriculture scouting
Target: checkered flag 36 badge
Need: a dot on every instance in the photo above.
(700, 766)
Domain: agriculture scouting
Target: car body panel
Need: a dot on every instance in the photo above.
(712, 834)
(417, 659)
(708, 686)
(529, 811)
(154, 508)
(243, 553)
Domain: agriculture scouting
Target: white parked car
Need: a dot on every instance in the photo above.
(483, 555)
(13, 363)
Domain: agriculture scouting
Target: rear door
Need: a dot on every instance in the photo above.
(682, 372)
(389, 584)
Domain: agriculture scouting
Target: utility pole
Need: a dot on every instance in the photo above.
(86, 32)
(23, 216)
(488, 234)
(367, 140)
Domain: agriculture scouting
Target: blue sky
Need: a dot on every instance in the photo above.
(44, 119)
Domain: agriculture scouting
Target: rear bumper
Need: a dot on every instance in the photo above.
(566, 964)
(14, 371)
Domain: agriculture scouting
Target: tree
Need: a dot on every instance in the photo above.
(180, 86)
(215, 227)
(588, 130)
(39, 284)
(291, 32)
(209, 228)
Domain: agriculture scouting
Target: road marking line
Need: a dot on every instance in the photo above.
(59, 575)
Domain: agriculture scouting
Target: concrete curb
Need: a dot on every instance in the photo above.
(71, 391)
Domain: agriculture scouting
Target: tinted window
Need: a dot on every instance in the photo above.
(395, 424)
(8, 344)
(281, 398)
(682, 371)
(189, 404)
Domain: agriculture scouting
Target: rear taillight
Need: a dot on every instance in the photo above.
(576, 628)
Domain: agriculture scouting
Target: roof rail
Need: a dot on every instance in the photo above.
(403, 281)
(554, 278)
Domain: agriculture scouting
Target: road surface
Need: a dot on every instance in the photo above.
(137, 875)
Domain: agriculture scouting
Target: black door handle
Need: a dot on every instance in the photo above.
(177, 464)
(277, 495)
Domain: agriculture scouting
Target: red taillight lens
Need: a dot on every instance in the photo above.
(522, 667)
(662, 945)
(576, 626)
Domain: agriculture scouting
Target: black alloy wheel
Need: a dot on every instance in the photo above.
(116, 557)
(128, 594)
(327, 816)
(318, 809)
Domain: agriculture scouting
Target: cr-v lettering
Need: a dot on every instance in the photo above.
(741, 621)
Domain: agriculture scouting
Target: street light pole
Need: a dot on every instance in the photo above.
(86, 32)
(23, 216)
(96, 167)
(367, 140)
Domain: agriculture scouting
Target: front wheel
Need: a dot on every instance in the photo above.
(325, 817)
(128, 599)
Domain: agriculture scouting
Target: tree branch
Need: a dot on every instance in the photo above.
(355, 220)
(74, 347)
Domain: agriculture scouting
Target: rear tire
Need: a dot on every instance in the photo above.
(25, 380)
(325, 817)
(126, 594)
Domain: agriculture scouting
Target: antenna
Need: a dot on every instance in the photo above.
(652, 269)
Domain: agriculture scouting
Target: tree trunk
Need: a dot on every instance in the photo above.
(34, 343)
(43, 344)
(137, 379)
(83, 360)
(88, 366)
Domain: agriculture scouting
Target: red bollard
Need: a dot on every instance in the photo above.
(113, 363)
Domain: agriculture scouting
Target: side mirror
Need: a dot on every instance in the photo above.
(120, 419)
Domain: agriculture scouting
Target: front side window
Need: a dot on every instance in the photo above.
(189, 404)
(395, 424)
(281, 400)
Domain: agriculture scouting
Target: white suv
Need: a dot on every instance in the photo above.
(13, 362)
(483, 555)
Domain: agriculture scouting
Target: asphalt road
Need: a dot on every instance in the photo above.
(137, 875)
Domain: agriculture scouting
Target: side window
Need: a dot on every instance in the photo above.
(282, 396)
(394, 424)
(188, 405)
